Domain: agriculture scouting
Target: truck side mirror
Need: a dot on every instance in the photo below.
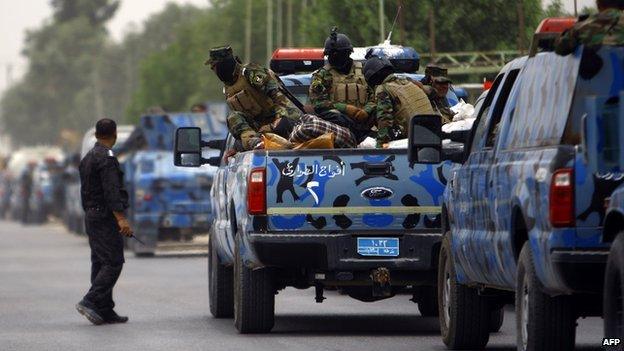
(216, 144)
(425, 139)
(187, 147)
(214, 161)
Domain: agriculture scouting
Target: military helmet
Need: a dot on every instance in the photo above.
(433, 70)
(337, 42)
(220, 53)
(375, 64)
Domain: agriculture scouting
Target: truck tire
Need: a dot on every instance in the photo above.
(542, 322)
(613, 309)
(254, 297)
(220, 286)
(428, 301)
(464, 315)
(497, 316)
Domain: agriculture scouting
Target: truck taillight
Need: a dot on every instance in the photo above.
(561, 201)
(256, 192)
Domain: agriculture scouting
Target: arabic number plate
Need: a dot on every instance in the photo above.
(380, 247)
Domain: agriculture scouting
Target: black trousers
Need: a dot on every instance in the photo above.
(107, 259)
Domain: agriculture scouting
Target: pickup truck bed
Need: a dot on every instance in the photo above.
(364, 220)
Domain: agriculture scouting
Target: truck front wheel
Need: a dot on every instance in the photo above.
(254, 297)
(613, 308)
(220, 286)
(464, 315)
(542, 322)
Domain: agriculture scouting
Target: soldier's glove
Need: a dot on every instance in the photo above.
(356, 113)
(255, 143)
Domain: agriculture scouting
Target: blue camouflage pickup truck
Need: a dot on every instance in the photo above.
(365, 221)
(167, 203)
(523, 215)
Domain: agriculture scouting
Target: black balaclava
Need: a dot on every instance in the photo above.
(225, 70)
(341, 60)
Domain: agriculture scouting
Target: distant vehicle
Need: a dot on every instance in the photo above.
(525, 212)
(46, 183)
(166, 202)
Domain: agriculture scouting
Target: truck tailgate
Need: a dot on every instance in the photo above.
(364, 191)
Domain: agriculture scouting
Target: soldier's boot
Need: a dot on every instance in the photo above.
(88, 310)
(112, 317)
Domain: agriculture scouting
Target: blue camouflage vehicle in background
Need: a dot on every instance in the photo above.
(167, 203)
(523, 215)
(362, 220)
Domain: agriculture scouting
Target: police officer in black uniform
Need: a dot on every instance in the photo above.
(104, 200)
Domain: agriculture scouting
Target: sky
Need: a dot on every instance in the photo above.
(18, 16)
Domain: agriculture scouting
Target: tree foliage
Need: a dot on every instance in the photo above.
(78, 74)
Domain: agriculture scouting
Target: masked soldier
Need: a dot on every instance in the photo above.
(398, 99)
(256, 103)
(604, 28)
(104, 200)
(340, 85)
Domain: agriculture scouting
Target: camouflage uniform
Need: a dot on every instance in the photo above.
(440, 103)
(604, 28)
(321, 92)
(248, 128)
(392, 111)
(255, 101)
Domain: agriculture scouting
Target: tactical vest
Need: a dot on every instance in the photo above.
(349, 88)
(243, 97)
(411, 99)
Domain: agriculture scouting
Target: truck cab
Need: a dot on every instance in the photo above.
(523, 215)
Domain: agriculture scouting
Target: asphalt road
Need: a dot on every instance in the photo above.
(44, 271)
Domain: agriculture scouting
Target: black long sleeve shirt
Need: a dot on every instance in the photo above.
(101, 181)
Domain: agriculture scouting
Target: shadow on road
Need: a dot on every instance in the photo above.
(345, 325)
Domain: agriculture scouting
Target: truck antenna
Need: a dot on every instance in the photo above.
(387, 42)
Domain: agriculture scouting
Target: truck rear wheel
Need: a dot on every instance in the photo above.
(497, 316)
(220, 286)
(613, 309)
(254, 297)
(464, 315)
(542, 322)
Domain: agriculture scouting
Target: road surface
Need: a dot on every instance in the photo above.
(44, 272)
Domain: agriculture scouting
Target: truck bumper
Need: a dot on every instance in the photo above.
(156, 220)
(582, 271)
(335, 255)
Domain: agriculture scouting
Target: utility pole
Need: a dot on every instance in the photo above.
(382, 27)
(248, 32)
(521, 30)
(289, 23)
(432, 31)
(401, 23)
(575, 8)
(269, 33)
(304, 11)
(280, 26)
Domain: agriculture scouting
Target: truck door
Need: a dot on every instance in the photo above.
(468, 223)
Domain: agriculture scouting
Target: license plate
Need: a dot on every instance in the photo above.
(383, 247)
